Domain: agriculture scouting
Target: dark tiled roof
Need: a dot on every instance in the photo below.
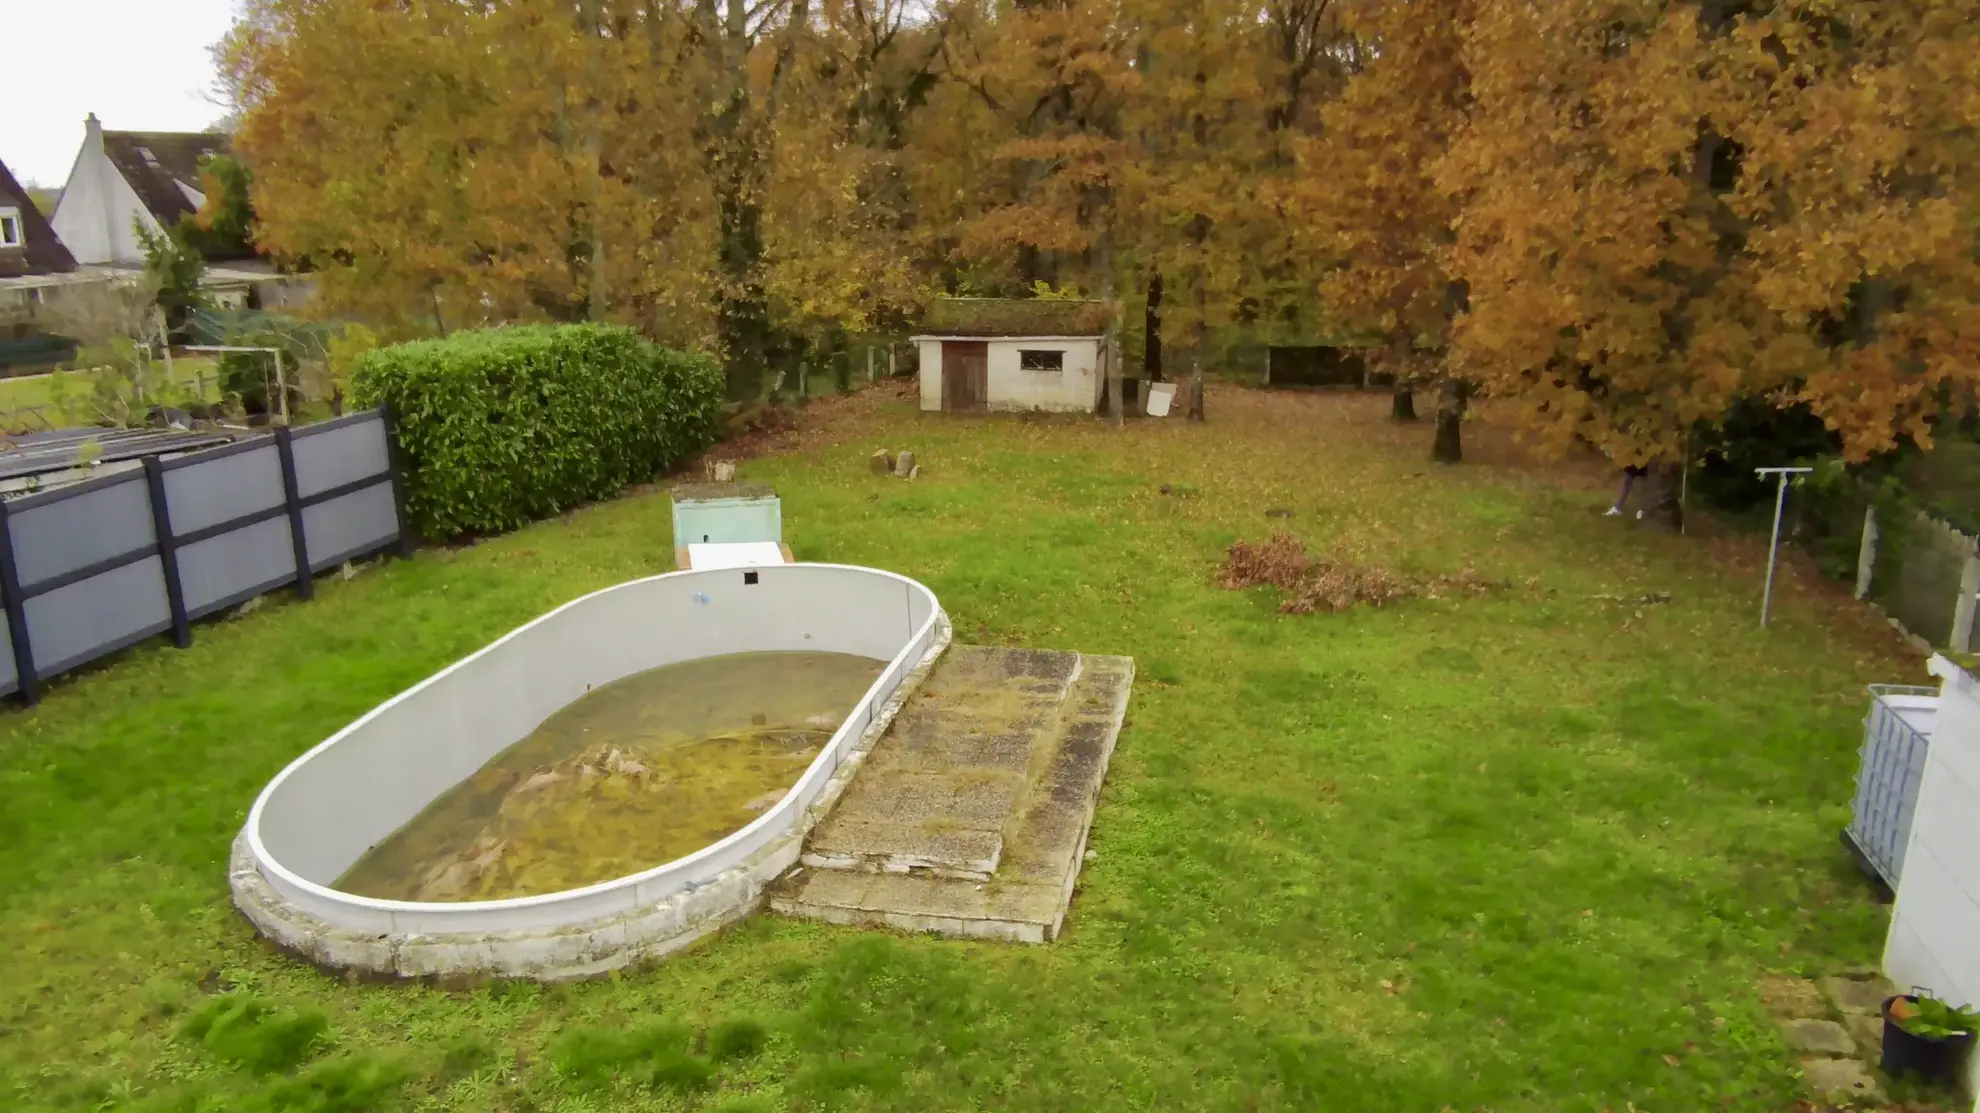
(173, 159)
(1014, 317)
(44, 252)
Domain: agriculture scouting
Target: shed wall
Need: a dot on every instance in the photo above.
(1072, 389)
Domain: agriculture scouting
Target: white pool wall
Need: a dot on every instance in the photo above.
(335, 802)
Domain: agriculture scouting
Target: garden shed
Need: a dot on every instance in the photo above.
(980, 354)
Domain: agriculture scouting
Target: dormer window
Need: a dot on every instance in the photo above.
(12, 234)
(149, 158)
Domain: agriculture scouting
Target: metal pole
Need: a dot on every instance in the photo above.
(1773, 547)
(1684, 483)
(1774, 542)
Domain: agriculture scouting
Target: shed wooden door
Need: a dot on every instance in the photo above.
(965, 376)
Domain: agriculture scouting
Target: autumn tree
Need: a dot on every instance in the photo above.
(1617, 219)
(1372, 204)
(362, 123)
(1669, 207)
(1200, 122)
(224, 225)
(843, 250)
(1044, 83)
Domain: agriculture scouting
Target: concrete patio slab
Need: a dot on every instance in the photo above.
(970, 817)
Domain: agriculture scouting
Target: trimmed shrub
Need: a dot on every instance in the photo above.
(500, 427)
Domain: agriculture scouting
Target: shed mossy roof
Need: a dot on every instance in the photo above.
(1015, 317)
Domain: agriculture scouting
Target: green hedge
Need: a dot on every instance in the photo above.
(500, 427)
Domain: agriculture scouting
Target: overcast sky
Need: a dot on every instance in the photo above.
(140, 65)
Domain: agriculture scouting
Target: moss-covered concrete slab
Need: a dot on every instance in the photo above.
(937, 795)
(971, 815)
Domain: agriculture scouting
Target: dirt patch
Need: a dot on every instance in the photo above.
(1329, 584)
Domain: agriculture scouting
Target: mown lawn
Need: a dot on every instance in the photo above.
(1521, 851)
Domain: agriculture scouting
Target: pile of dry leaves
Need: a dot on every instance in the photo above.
(1324, 584)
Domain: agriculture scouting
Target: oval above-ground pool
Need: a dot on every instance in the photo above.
(350, 792)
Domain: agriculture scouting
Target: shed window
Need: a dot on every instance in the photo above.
(1034, 360)
(10, 227)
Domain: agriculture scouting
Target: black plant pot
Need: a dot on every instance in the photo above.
(1929, 1058)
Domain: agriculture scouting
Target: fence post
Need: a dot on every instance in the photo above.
(168, 552)
(286, 449)
(396, 467)
(1866, 554)
(1969, 585)
(16, 605)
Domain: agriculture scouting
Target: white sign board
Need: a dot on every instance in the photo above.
(733, 554)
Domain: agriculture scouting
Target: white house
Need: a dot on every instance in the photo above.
(1934, 940)
(981, 354)
(121, 176)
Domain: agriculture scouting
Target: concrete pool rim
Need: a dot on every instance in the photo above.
(611, 922)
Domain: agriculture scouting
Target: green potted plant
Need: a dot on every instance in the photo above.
(1926, 1035)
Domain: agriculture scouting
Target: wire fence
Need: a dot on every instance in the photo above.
(1921, 571)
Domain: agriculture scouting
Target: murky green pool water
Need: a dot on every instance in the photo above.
(631, 776)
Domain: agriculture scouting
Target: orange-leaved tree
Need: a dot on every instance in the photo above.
(1369, 198)
(1669, 207)
(1199, 133)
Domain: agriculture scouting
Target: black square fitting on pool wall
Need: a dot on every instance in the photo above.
(749, 577)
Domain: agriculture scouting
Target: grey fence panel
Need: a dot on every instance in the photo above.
(64, 531)
(230, 484)
(236, 566)
(84, 569)
(361, 522)
(10, 673)
(89, 618)
(341, 452)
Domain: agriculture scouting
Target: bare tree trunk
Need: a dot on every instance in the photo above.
(1116, 405)
(1402, 403)
(1202, 341)
(1452, 397)
(595, 161)
(1151, 330)
(1110, 348)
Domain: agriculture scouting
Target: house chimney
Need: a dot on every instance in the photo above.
(92, 128)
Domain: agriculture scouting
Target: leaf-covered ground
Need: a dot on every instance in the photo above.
(1524, 850)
